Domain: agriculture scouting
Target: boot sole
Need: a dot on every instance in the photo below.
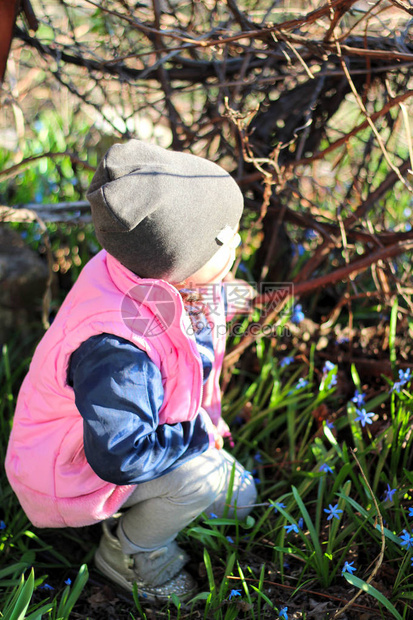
(116, 577)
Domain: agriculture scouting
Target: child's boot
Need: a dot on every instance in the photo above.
(158, 574)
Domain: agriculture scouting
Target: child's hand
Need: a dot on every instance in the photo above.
(219, 442)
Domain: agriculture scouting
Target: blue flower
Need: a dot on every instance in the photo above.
(363, 417)
(298, 249)
(229, 539)
(68, 581)
(212, 515)
(2, 525)
(328, 366)
(278, 505)
(234, 593)
(404, 378)
(300, 523)
(258, 457)
(411, 561)
(411, 511)
(332, 511)
(310, 233)
(292, 527)
(298, 314)
(359, 398)
(329, 424)
(301, 383)
(406, 375)
(388, 494)
(325, 468)
(406, 540)
(348, 568)
(342, 339)
(46, 586)
(283, 613)
(286, 361)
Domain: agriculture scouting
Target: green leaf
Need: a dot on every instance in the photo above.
(369, 589)
(22, 600)
(68, 602)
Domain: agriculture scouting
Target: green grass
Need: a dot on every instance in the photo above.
(288, 538)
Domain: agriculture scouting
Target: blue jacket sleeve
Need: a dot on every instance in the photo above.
(119, 392)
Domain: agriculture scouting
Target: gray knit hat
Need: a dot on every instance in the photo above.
(161, 213)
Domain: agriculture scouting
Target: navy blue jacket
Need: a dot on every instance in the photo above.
(119, 392)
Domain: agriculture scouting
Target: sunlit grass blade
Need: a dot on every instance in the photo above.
(369, 589)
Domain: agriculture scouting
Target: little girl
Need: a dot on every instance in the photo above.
(118, 419)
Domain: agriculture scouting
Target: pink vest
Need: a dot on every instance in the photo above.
(45, 461)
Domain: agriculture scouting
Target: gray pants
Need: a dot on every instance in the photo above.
(159, 509)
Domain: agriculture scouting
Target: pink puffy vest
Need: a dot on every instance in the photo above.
(45, 461)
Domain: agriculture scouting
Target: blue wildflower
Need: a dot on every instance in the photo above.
(278, 505)
(332, 511)
(286, 361)
(363, 417)
(342, 339)
(328, 366)
(292, 527)
(283, 613)
(310, 233)
(406, 540)
(229, 539)
(348, 568)
(68, 581)
(358, 399)
(388, 494)
(325, 468)
(46, 586)
(298, 249)
(300, 523)
(411, 511)
(404, 378)
(298, 314)
(406, 375)
(329, 424)
(2, 525)
(234, 593)
(212, 515)
(258, 457)
(301, 383)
